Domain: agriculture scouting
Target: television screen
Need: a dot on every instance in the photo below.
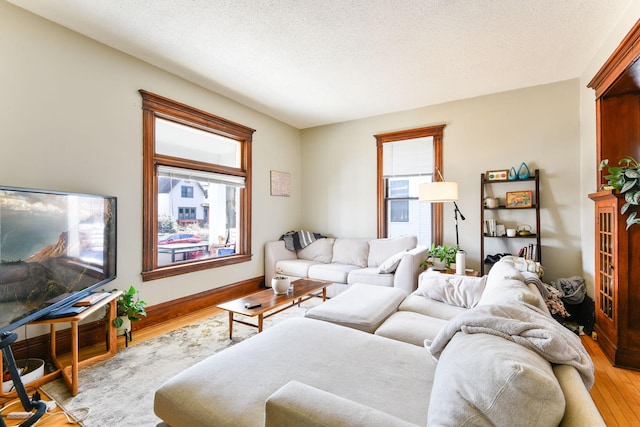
(55, 248)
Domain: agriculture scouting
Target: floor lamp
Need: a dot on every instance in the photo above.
(442, 192)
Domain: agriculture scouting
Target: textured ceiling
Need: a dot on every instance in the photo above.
(314, 62)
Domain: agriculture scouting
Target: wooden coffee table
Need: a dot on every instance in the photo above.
(303, 290)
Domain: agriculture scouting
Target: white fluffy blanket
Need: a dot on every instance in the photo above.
(523, 324)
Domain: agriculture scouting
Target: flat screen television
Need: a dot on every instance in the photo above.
(55, 248)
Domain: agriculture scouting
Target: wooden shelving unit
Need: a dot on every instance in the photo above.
(509, 216)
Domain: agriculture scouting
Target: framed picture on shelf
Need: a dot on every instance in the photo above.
(519, 199)
(497, 175)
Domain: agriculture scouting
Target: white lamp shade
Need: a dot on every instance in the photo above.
(438, 192)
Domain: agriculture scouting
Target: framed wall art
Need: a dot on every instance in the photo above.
(280, 184)
(519, 199)
(497, 175)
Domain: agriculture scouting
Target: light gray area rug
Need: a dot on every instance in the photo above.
(119, 391)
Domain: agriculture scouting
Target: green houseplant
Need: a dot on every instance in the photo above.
(129, 308)
(443, 253)
(626, 179)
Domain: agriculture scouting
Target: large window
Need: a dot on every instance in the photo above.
(407, 159)
(197, 189)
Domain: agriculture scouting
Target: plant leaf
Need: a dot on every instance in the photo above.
(632, 173)
(624, 208)
(632, 197)
(604, 164)
(632, 219)
(628, 185)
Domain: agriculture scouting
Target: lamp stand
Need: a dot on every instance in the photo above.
(456, 211)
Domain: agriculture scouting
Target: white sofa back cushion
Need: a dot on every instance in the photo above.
(458, 290)
(321, 250)
(506, 285)
(485, 380)
(381, 250)
(351, 251)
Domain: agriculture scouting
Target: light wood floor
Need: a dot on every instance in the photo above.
(616, 391)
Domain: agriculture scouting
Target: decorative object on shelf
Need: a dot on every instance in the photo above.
(626, 179)
(129, 309)
(492, 202)
(497, 175)
(440, 192)
(280, 284)
(523, 171)
(511, 232)
(519, 199)
(524, 230)
(440, 257)
(513, 175)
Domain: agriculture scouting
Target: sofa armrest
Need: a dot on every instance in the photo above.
(406, 276)
(580, 410)
(274, 252)
(300, 405)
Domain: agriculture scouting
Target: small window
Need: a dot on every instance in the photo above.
(187, 192)
(197, 189)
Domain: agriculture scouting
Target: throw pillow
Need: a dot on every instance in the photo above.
(458, 290)
(484, 380)
(390, 265)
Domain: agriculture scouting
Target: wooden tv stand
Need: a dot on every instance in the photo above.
(70, 373)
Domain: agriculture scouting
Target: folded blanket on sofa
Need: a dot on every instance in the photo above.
(299, 239)
(523, 324)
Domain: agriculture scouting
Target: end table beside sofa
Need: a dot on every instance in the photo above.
(331, 372)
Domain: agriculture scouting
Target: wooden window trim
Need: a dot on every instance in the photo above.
(157, 106)
(437, 132)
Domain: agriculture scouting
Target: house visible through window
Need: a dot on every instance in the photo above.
(197, 189)
(399, 200)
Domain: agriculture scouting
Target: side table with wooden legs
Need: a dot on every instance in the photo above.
(70, 373)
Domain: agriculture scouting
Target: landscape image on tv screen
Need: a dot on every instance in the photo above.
(52, 246)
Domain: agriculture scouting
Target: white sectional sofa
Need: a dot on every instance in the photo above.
(393, 262)
(309, 372)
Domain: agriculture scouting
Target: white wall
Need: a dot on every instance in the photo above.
(537, 125)
(588, 157)
(72, 121)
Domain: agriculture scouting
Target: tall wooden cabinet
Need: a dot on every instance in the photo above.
(617, 250)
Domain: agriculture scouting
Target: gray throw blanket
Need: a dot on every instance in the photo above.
(523, 324)
(299, 239)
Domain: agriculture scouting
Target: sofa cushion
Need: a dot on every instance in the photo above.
(458, 290)
(410, 327)
(508, 291)
(338, 360)
(370, 276)
(333, 272)
(428, 307)
(505, 284)
(295, 267)
(382, 249)
(321, 250)
(485, 380)
(362, 307)
(351, 251)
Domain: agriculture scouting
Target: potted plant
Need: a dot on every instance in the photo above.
(129, 309)
(280, 284)
(441, 256)
(626, 179)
